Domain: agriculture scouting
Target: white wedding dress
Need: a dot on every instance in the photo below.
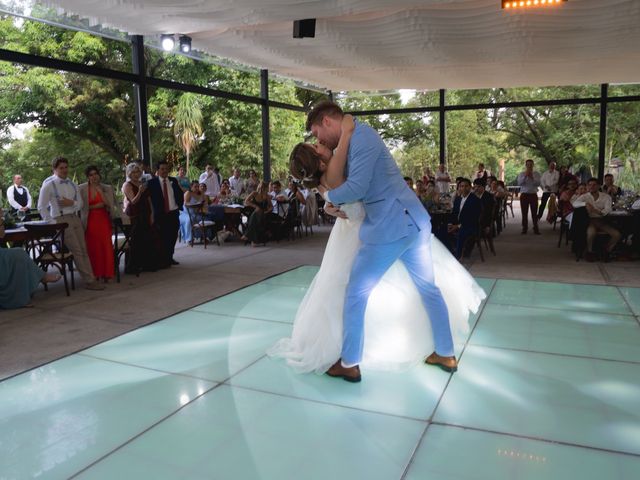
(397, 329)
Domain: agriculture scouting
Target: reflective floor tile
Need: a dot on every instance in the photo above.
(262, 301)
(615, 337)
(632, 296)
(486, 284)
(207, 346)
(565, 296)
(414, 393)
(301, 276)
(575, 400)
(239, 434)
(59, 418)
(492, 456)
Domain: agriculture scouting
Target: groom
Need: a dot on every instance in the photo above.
(396, 226)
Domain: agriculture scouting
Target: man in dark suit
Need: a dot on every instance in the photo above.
(488, 211)
(166, 200)
(467, 209)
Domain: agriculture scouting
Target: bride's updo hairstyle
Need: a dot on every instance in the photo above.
(304, 165)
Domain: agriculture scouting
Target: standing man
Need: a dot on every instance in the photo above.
(60, 200)
(443, 179)
(236, 183)
(210, 179)
(549, 183)
(18, 196)
(396, 226)
(529, 182)
(167, 200)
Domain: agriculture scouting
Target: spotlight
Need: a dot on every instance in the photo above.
(185, 44)
(168, 42)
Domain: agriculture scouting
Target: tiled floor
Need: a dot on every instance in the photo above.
(548, 388)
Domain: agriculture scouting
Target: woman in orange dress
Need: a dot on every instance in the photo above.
(98, 204)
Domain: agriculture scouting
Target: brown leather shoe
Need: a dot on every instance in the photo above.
(448, 364)
(351, 374)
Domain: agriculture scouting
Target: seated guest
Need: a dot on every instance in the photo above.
(294, 193)
(580, 190)
(564, 205)
(467, 209)
(609, 188)
(409, 182)
(488, 205)
(98, 206)
(430, 197)
(565, 176)
(279, 200)
(19, 276)
(598, 205)
(183, 180)
(195, 195)
(252, 182)
(260, 200)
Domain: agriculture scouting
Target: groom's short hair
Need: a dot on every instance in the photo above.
(321, 110)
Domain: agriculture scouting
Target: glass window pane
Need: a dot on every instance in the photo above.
(624, 89)
(520, 94)
(623, 144)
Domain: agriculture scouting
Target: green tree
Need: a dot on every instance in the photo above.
(187, 126)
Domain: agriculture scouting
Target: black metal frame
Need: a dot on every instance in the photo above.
(140, 81)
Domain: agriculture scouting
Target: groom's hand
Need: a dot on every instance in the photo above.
(331, 209)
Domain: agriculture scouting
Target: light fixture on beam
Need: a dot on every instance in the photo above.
(523, 4)
(185, 44)
(168, 42)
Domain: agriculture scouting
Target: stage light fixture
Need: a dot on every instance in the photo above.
(511, 4)
(185, 44)
(168, 42)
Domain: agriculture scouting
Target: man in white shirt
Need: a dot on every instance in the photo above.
(529, 181)
(549, 183)
(18, 195)
(60, 200)
(279, 200)
(443, 179)
(210, 179)
(598, 205)
(236, 183)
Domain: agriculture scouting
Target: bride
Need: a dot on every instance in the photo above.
(397, 330)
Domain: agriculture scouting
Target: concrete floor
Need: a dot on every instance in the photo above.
(58, 325)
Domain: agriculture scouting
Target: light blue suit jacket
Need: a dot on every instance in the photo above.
(375, 179)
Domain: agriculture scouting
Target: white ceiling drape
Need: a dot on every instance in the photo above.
(382, 44)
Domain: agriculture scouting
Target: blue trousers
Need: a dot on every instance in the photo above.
(369, 267)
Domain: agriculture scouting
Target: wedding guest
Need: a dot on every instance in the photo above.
(529, 181)
(279, 200)
(488, 205)
(427, 175)
(252, 182)
(443, 179)
(195, 195)
(609, 188)
(482, 173)
(18, 196)
(580, 190)
(598, 205)
(60, 200)
(19, 275)
(430, 197)
(564, 205)
(465, 216)
(210, 179)
(565, 176)
(224, 197)
(183, 181)
(98, 207)
(409, 182)
(167, 200)
(549, 182)
(145, 246)
(237, 183)
(260, 200)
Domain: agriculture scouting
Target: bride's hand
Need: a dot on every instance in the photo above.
(348, 125)
(331, 209)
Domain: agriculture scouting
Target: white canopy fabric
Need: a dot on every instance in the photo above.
(382, 44)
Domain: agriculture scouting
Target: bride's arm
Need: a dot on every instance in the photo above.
(334, 176)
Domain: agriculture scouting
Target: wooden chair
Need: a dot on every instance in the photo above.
(199, 223)
(121, 244)
(46, 246)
